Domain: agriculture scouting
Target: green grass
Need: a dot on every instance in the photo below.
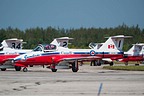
(127, 68)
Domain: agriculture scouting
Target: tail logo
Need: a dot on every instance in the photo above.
(111, 46)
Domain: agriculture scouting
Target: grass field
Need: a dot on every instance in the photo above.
(127, 68)
(121, 66)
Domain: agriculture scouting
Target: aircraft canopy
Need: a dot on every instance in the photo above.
(45, 47)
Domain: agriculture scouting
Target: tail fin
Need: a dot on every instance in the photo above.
(63, 41)
(114, 43)
(142, 51)
(12, 43)
(137, 49)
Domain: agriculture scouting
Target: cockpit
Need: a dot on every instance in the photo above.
(45, 47)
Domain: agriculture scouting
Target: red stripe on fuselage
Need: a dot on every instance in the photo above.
(46, 60)
(56, 58)
(133, 58)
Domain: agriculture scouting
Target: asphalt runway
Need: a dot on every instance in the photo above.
(88, 81)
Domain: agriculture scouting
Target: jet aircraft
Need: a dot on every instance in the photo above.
(53, 56)
(134, 54)
(11, 48)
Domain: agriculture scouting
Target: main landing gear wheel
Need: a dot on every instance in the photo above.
(75, 66)
(126, 63)
(93, 63)
(136, 64)
(52, 67)
(54, 70)
(25, 69)
(17, 68)
(98, 63)
(3, 69)
(111, 64)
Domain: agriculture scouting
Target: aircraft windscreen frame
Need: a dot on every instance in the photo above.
(1, 47)
(38, 48)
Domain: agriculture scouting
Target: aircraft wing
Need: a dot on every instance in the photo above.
(82, 58)
(7, 63)
(5, 60)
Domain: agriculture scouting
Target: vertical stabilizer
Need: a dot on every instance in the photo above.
(136, 50)
(13, 43)
(63, 41)
(142, 51)
(113, 44)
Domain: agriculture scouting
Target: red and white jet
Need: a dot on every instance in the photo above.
(136, 53)
(53, 56)
(11, 48)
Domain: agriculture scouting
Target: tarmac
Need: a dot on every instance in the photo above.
(88, 81)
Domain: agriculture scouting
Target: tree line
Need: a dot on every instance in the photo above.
(82, 36)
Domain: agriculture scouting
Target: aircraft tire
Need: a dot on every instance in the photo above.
(17, 68)
(3, 69)
(98, 64)
(74, 69)
(95, 63)
(111, 64)
(31, 65)
(91, 63)
(126, 63)
(136, 64)
(54, 70)
(25, 69)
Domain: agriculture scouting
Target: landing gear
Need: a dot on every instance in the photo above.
(31, 65)
(93, 63)
(136, 64)
(98, 63)
(54, 70)
(126, 63)
(75, 66)
(111, 63)
(3, 69)
(17, 68)
(25, 69)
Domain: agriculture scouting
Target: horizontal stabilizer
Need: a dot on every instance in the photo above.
(6, 66)
(64, 38)
(119, 36)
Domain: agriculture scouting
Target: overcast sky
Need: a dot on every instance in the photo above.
(24, 14)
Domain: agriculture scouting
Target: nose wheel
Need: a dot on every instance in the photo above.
(54, 70)
(52, 67)
(25, 69)
(3, 69)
